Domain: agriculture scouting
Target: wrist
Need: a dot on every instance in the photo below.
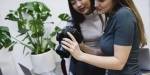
(82, 57)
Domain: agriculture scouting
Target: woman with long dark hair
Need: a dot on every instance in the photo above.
(123, 36)
(90, 25)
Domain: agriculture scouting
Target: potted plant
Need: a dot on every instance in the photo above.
(6, 46)
(30, 18)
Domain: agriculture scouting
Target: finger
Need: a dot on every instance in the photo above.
(65, 43)
(66, 48)
(68, 40)
(71, 36)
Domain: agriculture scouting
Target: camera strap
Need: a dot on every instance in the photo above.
(63, 66)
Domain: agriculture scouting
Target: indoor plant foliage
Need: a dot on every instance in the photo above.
(7, 64)
(30, 18)
(5, 38)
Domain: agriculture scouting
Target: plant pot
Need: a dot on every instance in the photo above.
(44, 63)
(7, 63)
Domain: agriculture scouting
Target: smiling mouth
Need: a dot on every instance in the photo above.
(81, 9)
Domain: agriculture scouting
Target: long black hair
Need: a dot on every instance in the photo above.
(78, 18)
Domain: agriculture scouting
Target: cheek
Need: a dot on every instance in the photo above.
(89, 6)
(75, 8)
(109, 6)
(106, 7)
(86, 5)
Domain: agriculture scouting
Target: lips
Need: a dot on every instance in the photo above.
(81, 9)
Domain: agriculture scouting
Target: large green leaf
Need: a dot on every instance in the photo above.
(12, 17)
(4, 29)
(22, 26)
(64, 17)
(5, 39)
(7, 42)
(57, 29)
(53, 33)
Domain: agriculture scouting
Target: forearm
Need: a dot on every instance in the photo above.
(102, 62)
(116, 62)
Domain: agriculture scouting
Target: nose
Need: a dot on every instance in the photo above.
(96, 3)
(79, 4)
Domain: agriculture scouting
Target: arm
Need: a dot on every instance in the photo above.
(116, 62)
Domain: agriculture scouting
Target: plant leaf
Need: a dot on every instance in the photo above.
(64, 17)
(12, 17)
(5, 39)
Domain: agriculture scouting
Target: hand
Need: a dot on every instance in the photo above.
(72, 46)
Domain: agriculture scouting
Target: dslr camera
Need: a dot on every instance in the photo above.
(63, 34)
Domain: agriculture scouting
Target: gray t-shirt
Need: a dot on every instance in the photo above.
(92, 30)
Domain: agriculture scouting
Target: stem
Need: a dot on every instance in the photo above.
(30, 39)
(46, 45)
(42, 44)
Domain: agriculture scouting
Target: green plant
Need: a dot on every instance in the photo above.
(30, 18)
(5, 38)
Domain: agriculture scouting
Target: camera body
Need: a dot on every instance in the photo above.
(63, 34)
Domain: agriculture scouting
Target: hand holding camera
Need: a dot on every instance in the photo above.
(60, 50)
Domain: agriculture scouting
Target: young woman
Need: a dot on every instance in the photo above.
(89, 24)
(123, 35)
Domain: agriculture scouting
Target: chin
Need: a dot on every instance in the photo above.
(100, 12)
(86, 12)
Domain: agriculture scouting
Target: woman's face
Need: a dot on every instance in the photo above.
(81, 6)
(104, 6)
